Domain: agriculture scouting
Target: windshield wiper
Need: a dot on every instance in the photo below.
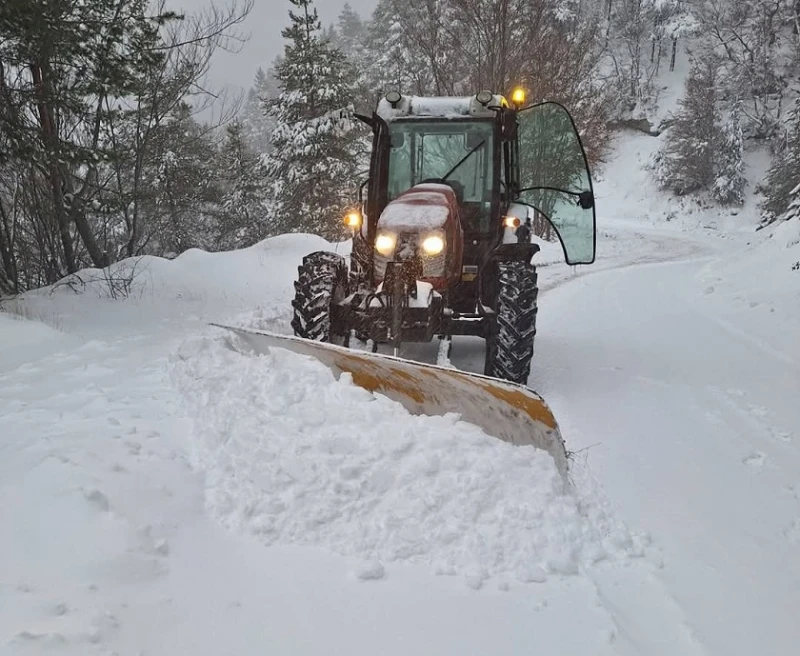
(462, 160)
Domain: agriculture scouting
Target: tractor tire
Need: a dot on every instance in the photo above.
(509, 350)
(322, 281)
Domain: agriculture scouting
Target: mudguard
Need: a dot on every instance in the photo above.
(508, 411)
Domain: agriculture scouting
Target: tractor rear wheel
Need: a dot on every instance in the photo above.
(321, 282)
(510, 349)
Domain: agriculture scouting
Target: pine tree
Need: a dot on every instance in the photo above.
(186, 192)
(793, 211)
(70, 62)
(686, 162)
(313, 164)
(350, 31)
(784, 173)
(396, 65)
(245, 199)
(256, 123)
(730, 179)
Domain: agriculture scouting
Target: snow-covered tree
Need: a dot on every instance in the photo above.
(686, 161)
(246, 202)
(350, 34)
(256, 123)
(793, 211)
(730, 180)
(758, 46)
(784, 173)
(185, 198)
(313, 163)
(396, 65)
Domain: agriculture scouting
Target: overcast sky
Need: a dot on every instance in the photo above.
(264, 25)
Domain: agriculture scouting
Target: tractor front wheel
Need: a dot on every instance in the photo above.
(509, 349)
(321, 283)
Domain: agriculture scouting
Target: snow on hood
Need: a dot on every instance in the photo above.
(405, 216)
(423, 207)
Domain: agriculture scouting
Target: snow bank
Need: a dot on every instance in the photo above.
(218, 275)
(252, 286)
(295, 457)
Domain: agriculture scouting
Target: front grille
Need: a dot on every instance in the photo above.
(433, 266)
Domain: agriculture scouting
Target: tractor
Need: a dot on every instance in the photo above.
(442, 240)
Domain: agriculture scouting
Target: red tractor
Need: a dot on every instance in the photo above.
(442, 242)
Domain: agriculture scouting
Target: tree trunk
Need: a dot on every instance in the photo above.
(674, 53)
(51, 148)
(59, 182)
(9, 282)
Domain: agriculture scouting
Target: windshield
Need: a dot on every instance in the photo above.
(424, 150)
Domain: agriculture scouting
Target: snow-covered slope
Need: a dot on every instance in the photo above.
(757, 287)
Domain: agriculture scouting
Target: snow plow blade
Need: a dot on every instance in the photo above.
(508, 411)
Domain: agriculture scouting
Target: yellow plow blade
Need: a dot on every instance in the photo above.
(508, 411)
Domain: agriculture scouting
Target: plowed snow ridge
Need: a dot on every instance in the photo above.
(295, 457)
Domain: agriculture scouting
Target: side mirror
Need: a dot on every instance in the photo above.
(586, 200)
(397, 139)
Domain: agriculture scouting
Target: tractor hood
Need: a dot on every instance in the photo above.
(425, 210)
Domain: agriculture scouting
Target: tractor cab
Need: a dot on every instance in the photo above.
(504, 164)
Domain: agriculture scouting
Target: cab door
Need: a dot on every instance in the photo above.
(554, 178)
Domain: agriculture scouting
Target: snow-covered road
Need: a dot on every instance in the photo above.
(693, 428)
(688, 421)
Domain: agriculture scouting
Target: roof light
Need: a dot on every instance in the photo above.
(393, 97)
(484, 97)
(518, 96)
(511, 221)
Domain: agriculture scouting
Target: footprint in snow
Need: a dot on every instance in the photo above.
(96, 498)
(755, 459)
(782, 435)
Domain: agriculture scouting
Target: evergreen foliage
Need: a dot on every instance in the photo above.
(783, 175)
(687, 161)
(313, 162)
(730, 180)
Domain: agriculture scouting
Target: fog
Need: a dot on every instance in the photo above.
(263, 25)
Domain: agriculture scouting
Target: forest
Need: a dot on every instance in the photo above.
(113, 145)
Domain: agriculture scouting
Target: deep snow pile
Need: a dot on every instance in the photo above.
(295, 457)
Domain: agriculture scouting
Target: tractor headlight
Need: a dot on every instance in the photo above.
(385, 243)
(433, 244)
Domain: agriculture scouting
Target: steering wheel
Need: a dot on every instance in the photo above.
(456, 186)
